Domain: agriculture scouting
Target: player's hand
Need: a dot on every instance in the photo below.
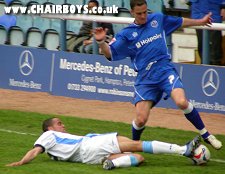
(14, 164)
(207, 19)
(100, 33)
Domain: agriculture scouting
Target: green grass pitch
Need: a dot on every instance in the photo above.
(13, 146)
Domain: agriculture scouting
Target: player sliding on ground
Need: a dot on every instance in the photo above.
(144, 42)
(107, 149)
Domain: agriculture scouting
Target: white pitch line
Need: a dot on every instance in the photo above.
(21, 133)
(218, 160)
(212, 159)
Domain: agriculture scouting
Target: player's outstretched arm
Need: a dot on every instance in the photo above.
(206, 20)
(30, 155)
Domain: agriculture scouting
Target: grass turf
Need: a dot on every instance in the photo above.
(14, 146)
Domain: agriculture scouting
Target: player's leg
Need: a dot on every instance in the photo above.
(156, 147)
(178, 95)
(142, 114)
(190, 112)
(122, 160)
(125, 159)
(146, 96)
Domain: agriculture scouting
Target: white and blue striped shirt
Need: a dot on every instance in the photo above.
(61, 146)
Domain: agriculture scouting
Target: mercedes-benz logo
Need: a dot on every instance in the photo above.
(26, 63)
(210, 82)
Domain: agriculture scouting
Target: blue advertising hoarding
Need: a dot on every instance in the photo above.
(89, 76)
(92, 77)
(25, 69)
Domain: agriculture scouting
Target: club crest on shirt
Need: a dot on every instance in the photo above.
(154, 24)
(135, 34)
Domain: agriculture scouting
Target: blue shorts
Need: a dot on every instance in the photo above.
(153, 88)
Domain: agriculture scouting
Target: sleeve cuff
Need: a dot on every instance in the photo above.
(38, 145)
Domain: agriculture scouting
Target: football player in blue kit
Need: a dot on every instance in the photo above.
(144, 42)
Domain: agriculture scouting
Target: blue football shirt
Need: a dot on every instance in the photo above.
(146, 44)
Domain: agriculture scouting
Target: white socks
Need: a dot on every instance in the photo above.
(125, 161)
(189, 108)
(158, 147)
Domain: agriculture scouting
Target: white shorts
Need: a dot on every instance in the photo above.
(95, 149)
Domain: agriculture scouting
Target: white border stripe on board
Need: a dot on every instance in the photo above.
(52, 72)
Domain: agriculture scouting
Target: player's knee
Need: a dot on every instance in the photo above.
(140, 158)
(140, 121)
(182, 104)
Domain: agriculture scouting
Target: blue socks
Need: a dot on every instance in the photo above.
(195, 119)
(136, 131)
(193, 116)
(136, 134)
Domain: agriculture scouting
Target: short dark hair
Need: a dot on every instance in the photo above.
(134, 3)
(46, 123)
(94, 1)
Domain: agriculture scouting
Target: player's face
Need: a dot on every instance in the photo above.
(140, 14)
(57, 125)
